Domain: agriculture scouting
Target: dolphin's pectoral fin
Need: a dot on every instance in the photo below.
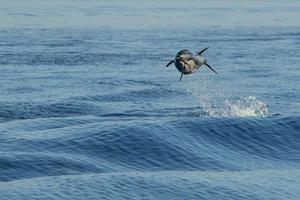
(181, 76)
(170, 63)
(210, 68)
(200, 52)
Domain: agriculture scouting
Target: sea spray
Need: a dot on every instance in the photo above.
(216, 104)
(247, 107)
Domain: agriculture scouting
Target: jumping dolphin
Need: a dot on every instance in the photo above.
(186, 62)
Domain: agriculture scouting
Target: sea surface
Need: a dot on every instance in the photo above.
(88, 109)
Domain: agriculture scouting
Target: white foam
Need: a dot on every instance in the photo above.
(247, 107)
(216, 104)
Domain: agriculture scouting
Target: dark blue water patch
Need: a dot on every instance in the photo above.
(257, 72)
(64, 42)
(28, 110)
(149, 112)
(23, 14)
(24, 90)
(62, 58)
(143, 82)
(29, 165)
(74, 58)
(131, 96)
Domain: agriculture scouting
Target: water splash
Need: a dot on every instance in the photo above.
(247, 107)
(216, 104)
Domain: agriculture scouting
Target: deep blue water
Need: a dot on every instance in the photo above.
(89, 111)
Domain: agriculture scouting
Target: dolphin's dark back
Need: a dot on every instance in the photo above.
(184, 51)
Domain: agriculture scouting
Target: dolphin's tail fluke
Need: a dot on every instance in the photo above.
(170, 63)
(201, 52)
(210, 67)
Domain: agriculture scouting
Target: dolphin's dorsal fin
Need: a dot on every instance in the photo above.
(200, 52)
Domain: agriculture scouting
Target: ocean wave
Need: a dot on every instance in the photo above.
(205, 145)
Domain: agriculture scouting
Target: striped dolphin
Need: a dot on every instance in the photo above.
(186, 62)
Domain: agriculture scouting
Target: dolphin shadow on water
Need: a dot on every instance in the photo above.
(186, 62)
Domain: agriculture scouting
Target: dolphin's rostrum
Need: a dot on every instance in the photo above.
(186, 62)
